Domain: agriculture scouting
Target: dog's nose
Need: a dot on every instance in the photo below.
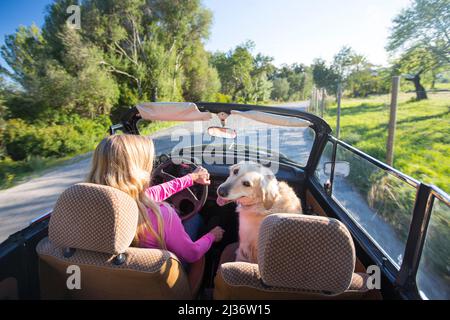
(222, 192)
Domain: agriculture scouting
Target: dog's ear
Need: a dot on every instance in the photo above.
(270, 191)
(235, 166)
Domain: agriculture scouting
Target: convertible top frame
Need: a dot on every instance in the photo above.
(131, 118)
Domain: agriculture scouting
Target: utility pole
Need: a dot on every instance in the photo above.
(338, 118)
(392, 120)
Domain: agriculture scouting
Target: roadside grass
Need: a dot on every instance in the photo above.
(147, 128)
(422, 140)
(15, 172)
(442, 86)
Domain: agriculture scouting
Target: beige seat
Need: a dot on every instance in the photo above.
(300, 257)
(92, 227)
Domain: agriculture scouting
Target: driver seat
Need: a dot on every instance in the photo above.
(90, 232)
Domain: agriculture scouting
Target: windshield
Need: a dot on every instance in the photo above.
(269, 142)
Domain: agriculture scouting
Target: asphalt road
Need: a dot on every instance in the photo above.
(27, 201)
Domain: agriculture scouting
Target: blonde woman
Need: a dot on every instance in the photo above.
(125, 162)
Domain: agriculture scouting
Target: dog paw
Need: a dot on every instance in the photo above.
(241, 256)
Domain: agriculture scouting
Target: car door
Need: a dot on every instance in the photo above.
(401, 223)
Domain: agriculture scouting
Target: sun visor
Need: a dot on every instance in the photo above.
(273, 119)
(172, 111)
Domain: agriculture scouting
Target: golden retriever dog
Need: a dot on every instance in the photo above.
(257, 193)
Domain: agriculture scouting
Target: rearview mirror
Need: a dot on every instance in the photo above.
(341, 168)
(222, 132)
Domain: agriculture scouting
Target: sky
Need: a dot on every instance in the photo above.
(288, 30)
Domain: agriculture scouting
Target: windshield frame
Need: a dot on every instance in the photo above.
(129, 124)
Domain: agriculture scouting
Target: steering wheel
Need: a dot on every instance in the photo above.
(190, 200)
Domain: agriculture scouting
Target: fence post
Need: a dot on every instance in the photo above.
(322, 103)
(317, 101)
(338, 117)
(392, 120)
(311, 101)
(313, 109)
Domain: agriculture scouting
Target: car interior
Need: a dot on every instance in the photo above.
(316, 255)
(293, 266)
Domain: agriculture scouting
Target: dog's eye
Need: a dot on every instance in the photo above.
(235, 171)
(246, 184)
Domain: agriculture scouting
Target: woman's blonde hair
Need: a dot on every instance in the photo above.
(125, 162)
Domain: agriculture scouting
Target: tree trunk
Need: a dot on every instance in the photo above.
(433, 81)
(421, 94)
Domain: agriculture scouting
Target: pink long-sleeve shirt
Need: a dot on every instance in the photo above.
(177, 240)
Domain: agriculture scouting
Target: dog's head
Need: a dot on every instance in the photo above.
(249, 183)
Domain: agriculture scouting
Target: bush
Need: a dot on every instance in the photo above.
(11, 170)
(222, 98)
(65, 136)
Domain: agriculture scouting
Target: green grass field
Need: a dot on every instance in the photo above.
(422, 141)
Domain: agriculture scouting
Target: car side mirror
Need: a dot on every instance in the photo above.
(341, 168)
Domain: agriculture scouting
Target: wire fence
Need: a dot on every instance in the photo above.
(409, 135)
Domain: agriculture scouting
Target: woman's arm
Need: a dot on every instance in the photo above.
(179, 242)
(165, 190)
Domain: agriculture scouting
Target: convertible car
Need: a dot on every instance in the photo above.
(366, 231)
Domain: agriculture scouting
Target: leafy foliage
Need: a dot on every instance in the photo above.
(67, 136)
(424, 22)
(280, 89)
(421, 33)
(299, 79)
(353, 72)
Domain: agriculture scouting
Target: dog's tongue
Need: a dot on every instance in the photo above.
(221, 201)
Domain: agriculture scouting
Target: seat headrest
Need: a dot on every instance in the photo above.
(94, 217)
(306, 252)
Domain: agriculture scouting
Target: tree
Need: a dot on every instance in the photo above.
(2, 115)
(325, 77)
(202, 79)
(77, 83)
(414, 62)
(261, 86)
(148, 43)
(235, 69)
(299, 79)
(23, 52)
(136, 50)
(343, 63)
(280, 89)
(362, 77)
(423, 27)
(353, 71)
(55, 25)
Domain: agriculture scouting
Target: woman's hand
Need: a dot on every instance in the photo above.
(217, 232)
(201, 176)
